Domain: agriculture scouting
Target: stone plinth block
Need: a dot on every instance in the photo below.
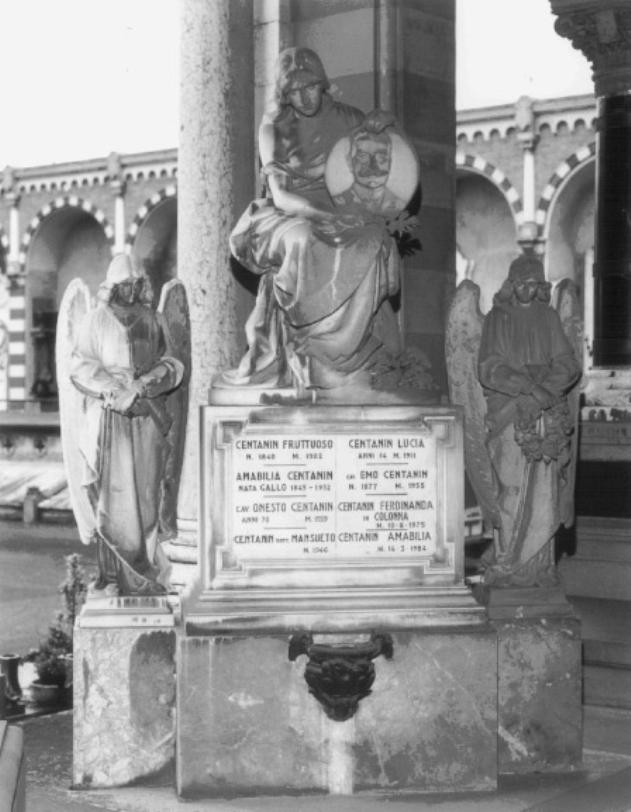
(124, 693)
(247, 723)
(539, 694)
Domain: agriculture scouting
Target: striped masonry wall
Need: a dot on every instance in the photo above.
(425, 85)
(409, 69)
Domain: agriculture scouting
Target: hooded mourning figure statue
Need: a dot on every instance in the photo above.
(521, 400)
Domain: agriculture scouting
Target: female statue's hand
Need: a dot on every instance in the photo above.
(377, 121)
(320, 215)
(544, 397)
(123, 400)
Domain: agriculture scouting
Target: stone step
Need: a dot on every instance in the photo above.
(589, 578)
(597, 652)
(603, 620)
(12, 770)
(610, 687)
(606, 634)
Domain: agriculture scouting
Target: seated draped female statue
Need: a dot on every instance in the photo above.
(319, 239)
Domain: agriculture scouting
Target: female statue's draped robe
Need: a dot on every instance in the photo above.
(322, 309)
(125, 456)
(522, 346)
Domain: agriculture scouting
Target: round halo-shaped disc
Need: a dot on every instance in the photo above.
(396, 190)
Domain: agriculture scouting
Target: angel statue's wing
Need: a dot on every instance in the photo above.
(462, 346)
(569, 310)
(75, 304)
(173, 307)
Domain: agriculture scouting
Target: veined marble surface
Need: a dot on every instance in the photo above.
(124, 692)
(248, 724)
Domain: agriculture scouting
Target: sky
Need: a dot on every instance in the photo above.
(83, 78)
(509, 48)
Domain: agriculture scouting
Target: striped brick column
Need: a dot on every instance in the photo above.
(426, 90)
(401, 56)
(16, 388)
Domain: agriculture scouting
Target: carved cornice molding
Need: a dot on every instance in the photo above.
(604, 37)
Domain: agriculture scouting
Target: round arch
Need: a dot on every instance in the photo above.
(68, 238)
(473, 163)
(152, 238)
(568, 230)
(559, 178)
(486, 233)
(67, 201)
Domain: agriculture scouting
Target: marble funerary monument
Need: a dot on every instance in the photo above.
(328, 641)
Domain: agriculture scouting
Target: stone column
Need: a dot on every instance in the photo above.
(13, 263)
(215, 183)
(596, 577)
(527, 138)
(386, 67)
(602, 31)
(117, 185)
(272, 33)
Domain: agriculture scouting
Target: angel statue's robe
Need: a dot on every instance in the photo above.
(529, 448)
(124, 457)
(322, 309)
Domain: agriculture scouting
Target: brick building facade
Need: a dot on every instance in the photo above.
(62, 221)
(525, 177)
(65, 220)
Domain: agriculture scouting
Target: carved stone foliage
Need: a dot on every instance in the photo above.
(339, 676)
(604, 37)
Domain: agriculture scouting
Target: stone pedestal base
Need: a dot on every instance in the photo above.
(247, 724)
(124, 692)
(539, 688)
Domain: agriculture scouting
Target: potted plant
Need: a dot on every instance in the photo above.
(53, 658)
(51, 665)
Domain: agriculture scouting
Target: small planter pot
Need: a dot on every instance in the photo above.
(9, 664)
(45, 695)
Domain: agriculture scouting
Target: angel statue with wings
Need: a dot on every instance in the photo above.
(123, 371)
(516, 373)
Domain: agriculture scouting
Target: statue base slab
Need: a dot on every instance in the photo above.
(540, 725)
(122, 612)
(351, 394)
(254, 395)
(239, 611)
(428, 725)
(124, 693)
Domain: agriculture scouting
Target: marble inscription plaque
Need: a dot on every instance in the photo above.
(342, 495)
(327, 497)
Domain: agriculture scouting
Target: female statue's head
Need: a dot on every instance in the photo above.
(300, 81)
